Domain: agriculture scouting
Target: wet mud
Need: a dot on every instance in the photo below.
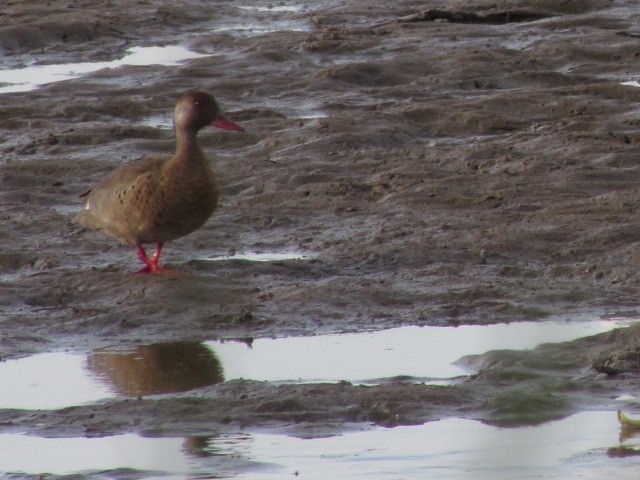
(431, 172)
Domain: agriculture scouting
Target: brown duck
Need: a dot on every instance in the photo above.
(154, 200)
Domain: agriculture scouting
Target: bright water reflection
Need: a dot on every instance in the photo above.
(259, 257)
(421, 352)
(47, 381)
(575, 447)
(183, 457)
(29, 78)
(56, 380)
(273, 8)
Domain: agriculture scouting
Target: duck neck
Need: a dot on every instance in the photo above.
(187, 144)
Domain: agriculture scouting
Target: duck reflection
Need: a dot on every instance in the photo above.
(158, 368)
(197, 446)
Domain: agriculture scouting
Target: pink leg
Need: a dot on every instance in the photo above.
(151, 264)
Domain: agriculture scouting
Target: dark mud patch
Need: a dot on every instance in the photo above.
(500, 17)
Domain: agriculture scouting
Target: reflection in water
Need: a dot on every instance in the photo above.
(158, 368)
(424, 353)
(273, 8)
(197, 446)
(225, 445)
(123, 456)
(259, 256)
(31, 77)
(629, 431)
(450, 449)
(454, 449)
(61, 379)
(48, 381)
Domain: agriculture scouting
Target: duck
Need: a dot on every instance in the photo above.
(155, 200)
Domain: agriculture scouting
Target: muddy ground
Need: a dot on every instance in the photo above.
(435, 172)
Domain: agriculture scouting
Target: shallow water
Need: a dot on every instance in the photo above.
(49, 381)
(173, 455)
(274, 8)
(163, 122)
(66, 209)
(455, 449)
(575, 447)
(259, 257)
(59, 379)
(264, 20)
(425, 353)
(29, 78)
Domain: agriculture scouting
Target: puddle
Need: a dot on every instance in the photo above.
(57, 380)
(66, 209)
(312, 115)
(163, 122)
(273, 8)
(425, 353)
(576, 447)
(305, 110)
(48, 381)
(259, 257)
(261, 28)
(30, 78)
(258, 20)
(157, 457)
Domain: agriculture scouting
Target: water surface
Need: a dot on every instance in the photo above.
(574, 448)
(31, 77)
(427, 354)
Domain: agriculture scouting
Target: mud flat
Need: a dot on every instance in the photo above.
(436, 171)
